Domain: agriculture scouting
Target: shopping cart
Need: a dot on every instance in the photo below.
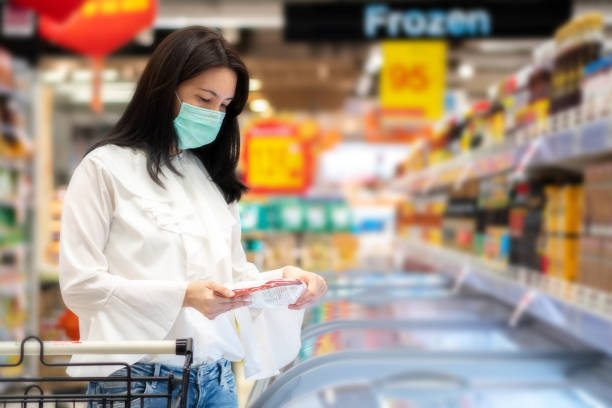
(31, 394)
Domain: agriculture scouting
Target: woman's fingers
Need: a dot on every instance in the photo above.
(221, 290)
(228, 301)
(315, 285)
(302, 304)
(309, 296)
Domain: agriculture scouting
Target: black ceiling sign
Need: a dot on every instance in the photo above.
(363, 21)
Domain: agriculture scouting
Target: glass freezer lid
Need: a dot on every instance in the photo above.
(375, 294)
(426, 339)
(443, 380)
(388, 286)
(373, 279)
(518, 397)
(448, 308)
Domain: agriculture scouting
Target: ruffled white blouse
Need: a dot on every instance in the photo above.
(129, 248)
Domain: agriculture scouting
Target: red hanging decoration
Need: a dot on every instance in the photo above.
(100, 27)
(58, 10)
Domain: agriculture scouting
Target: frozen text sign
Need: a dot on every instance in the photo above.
(381, 20)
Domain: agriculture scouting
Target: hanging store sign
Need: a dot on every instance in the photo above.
(412, 78)
(357, 21)
(276, 158)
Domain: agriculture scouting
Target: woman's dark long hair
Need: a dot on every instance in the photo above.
(146, 123)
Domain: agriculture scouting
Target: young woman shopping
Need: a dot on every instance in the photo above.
(151, 231)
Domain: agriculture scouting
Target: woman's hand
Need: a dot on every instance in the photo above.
(315, 286)
(211, 299)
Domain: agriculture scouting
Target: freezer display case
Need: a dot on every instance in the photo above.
(440, 379)
(424, 346)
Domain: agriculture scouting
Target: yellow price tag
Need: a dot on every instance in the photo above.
(413, 77)
(275, 162)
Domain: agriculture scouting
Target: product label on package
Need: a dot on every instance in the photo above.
(270, 294)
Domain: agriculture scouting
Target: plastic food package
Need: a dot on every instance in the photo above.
(271, 294)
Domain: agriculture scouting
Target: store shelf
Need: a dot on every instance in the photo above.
(580, 142)
(578, 310)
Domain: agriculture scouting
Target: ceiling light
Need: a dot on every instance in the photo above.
(81, 75)
(374, 61)
(116, 92)
(254, 85)
(465, 71)
(54, 76)
(110, 74)
(259, 105)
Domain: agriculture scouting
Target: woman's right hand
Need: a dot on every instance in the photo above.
(212, 299)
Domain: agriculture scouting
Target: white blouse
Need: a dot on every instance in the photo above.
(129, 248)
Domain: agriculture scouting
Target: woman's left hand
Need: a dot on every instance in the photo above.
(315, 286)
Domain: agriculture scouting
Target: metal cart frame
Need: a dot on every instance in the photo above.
(37, 347)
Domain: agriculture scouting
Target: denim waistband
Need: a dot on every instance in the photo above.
(204, 372)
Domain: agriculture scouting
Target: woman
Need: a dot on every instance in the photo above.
(151, 231)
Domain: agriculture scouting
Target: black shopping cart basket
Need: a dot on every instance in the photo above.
(30, 389)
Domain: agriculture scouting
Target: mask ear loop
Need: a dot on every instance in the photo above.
(181, 102)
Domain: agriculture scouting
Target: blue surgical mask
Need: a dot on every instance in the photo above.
(196, 126)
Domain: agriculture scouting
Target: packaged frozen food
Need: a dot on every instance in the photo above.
(270, 294)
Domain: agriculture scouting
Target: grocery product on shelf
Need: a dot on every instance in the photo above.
(562, 226)
(459, 223)
(525, 222)
(597, 89)
(578, 43)
(492, 235)
(596, 239)
(55, 212)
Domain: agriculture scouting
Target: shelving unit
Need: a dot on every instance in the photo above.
(18, 285)
(578, 310)
(565, 147)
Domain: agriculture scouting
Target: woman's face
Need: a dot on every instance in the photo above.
(212, 89)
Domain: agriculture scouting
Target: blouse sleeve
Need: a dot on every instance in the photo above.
(242, 269)
(87, 287)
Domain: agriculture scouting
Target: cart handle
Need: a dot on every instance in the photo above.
(178, 347)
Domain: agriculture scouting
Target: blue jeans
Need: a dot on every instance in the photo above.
(210, 386)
